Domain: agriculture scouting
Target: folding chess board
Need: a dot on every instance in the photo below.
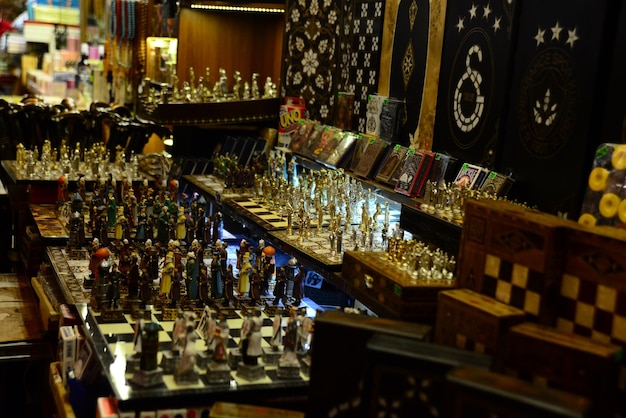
(513, 284)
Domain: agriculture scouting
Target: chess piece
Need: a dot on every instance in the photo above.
(165, 284)
(181, 224)
(179, 332)
(186, 372)
(149, 374)
(253, 352)
(206, 327)
(244, 275)
(288, 364)
(192, 273)
(113, 290)
(280, 288)
(216, 276)
(122, 229)
(229, 282)
(133, 276)
(268, 268)
(112, 211)
(175, 291)
(203, 285)
(255, 286)
(218, 370)
(277, 333)
(298, 285)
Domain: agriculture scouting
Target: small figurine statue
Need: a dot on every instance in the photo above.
(252, 350)
(244, 275)
(166, 276)
(290, 355)
(254, 88)
(203, 285)
(280, 287)
(298, 285)
(206, 327)
(186, 370)
(191, 279)
(229, 282)
(216, 276)
(179, 333)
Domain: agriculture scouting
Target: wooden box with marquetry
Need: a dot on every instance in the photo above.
(514, 255)
(567, 361)
(592, 297)
(379, 283)
(475, 322)
(474, 392)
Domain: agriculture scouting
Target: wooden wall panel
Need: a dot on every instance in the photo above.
(247, 42)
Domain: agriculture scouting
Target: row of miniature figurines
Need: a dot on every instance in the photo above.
(199, 91)
(184, 360)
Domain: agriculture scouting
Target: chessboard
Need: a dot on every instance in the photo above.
(118, 337)
(260, 213)
(214, 186)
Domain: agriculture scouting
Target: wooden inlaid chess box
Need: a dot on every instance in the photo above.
(514, 255)
(379, 280)
(474, 322)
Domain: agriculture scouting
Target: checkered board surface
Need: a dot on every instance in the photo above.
(592, 310)
(273, 220)
(262, 214)
(513, 284)
(119, 337)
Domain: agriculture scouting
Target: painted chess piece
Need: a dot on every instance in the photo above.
(244, 275)
(229, 283)
(298, 285)
(167, 273)
(280, 288)
(191, 276)
(216, 276)
(288, 363)
(149, 374)
(204, 284)
(255, 287)
(186, 370)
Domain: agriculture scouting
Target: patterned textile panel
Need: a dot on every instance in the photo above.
(474, 78)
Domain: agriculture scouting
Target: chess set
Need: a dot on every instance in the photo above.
(121, 334)
(284, 333)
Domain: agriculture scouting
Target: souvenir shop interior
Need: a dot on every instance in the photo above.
(312, 208)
